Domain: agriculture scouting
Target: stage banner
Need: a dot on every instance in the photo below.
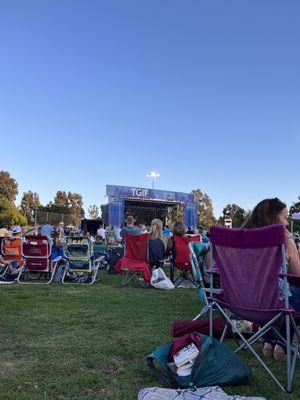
(115, 210)
(190, 215)
(144, 193)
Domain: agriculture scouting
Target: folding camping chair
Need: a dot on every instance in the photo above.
(135, 263)
(36, 252)
(11, 248)
(11, 251)
(198, 250)
(99, 256)
(250, 262)
(80, 267)
(180, 259)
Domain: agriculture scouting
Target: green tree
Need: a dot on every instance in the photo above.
(29, 203)
(205, 209)
(8, 186)
(62, 202)
(236, 213)
(93, 211)
(10, 214)
(295, 208)
(76, 207)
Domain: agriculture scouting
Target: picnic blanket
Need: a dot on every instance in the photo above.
(204, 393)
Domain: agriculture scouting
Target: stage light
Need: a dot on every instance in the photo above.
(153, 175)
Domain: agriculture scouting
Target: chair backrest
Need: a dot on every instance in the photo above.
(249, 261)
(11, 249)
(36, 246)
(137, 247)
(78, 247)
(99, 248)
(181, 248)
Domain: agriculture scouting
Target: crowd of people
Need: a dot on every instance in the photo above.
(267, 212)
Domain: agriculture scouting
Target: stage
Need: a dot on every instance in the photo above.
(146, 204)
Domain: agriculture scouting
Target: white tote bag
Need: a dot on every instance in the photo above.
(159, 280)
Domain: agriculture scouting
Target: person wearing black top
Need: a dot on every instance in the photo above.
(156, 245)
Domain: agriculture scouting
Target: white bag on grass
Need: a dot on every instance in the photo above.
(159, 280)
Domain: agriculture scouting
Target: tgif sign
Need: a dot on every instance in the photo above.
(139, 192)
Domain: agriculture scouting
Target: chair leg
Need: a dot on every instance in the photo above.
(246, 342)
(288, 353)
(172, 272)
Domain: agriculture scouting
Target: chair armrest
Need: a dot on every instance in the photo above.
(213, 271)
(99, 259)
(213, 291)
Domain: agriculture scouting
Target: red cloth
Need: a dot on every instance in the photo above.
(180, 342)
(181, 328)
(134, 266)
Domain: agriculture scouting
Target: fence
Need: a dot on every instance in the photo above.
(43, 217)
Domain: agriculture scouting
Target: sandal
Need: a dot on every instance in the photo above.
(268, 350)
(279, 353)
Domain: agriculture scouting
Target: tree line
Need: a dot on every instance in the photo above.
(69, 203)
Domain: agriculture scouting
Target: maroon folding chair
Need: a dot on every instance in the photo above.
(180, 259)
(252, 268)
(135, 263)
(36, 252)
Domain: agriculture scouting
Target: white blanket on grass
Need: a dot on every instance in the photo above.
(204, 393)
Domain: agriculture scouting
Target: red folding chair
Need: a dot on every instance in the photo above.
(180, 258)
(36, 251)
(135, 263)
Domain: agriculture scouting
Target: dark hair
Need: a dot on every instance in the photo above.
(178, 228)
(265, 213)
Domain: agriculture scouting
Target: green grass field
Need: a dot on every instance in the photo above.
(76, 342)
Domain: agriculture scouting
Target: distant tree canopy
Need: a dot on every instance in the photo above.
(66, 203)
(205, 209)
(295, 208)
(29, 203)
(8, 187)
(10, 214)
(76, 204)
(236, 213)
(93, 211)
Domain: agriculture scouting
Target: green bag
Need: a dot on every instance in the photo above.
(216, 364)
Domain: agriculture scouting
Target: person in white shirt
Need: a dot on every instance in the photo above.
(101, 232)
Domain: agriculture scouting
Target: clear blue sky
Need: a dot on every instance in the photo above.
(207, 92)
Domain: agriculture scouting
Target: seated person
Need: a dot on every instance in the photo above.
(110, 235)
(156, 245)
(13, 269)
(190, 231)
(178, 230)
(130, 228)
(268, 212)
(101, 232)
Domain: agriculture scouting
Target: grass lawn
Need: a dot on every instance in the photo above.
(75, 342)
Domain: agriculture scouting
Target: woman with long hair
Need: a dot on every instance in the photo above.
(268, 212)
(178, 230)
(156, 245)
(274, 211)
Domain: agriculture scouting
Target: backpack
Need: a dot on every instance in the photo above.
(216, 364)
